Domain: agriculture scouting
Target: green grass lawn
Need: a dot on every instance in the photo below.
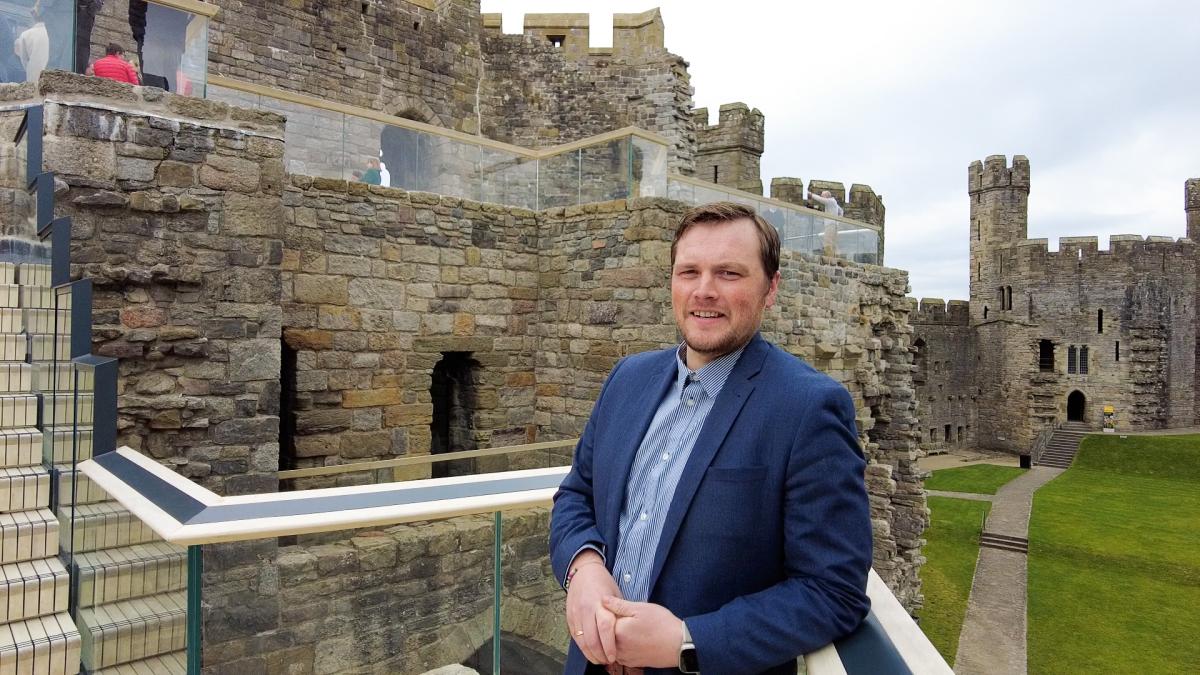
(951, 550)
(983, 479)
(1114, 560)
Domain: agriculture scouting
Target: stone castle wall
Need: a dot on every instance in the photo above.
(209, 259)
(729, 152)
(945, 372)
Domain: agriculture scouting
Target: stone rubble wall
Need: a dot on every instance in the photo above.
(377, 284)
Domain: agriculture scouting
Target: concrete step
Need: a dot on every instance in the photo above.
(132, 630)
(28, 535)
(20, 447)
(130, 572)
(174, 663)
(24, 487)
(1004, 543)
(45, 644)
(33, 588)
(13, 347)
(66, 442)
(101, 526)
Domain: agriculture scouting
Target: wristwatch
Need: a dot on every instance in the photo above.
(689, 662)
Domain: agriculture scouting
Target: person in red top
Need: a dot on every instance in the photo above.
(114, 67)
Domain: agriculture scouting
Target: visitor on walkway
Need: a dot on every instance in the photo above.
(113, 67)
(830, 205)
(735, 549)
(32, 46)
(372, 174)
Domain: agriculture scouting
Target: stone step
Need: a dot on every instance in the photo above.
(101, 526)
(132, 630)
(18, 411)
(20, 447)
(24, 487)
(67, 409)
(67, 441)
(174, 663)
(13, 347)
(1055, 463)
(45, 644)
(46, 321)
(15, 378)
(28, 535)
(33, 588)
(50, 347)
(86, 492)
(33, 274)
(130, 572)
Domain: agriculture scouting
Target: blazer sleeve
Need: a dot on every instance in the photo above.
(827, 542)
(573, 518)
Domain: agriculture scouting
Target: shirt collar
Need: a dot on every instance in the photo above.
(712, 375)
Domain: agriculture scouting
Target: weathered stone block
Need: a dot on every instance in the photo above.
(254, 360)
(370, 397)
(252, 216)
(320, 289)
(223, 172)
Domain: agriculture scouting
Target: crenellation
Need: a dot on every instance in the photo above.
(729, 152)
(1191, 206)
(788, 189)
(935, 311)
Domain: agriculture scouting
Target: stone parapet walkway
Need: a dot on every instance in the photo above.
(993, 633)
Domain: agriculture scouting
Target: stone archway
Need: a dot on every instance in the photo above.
(1076, 406)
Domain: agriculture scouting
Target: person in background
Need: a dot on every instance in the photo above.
(32, 46)
(113, 67)
(372, 175)
(827, 201)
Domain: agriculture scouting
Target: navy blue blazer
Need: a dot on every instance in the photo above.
(767, 541)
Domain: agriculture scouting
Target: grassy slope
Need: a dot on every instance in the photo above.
(1114, 564)
(952, 549)
(982, 479)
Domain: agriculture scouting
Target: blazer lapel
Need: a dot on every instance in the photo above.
(712, 435)
(633, 417)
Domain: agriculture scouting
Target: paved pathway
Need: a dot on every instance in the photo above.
(993, 633)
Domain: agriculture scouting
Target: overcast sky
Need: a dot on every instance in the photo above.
(1102, 96)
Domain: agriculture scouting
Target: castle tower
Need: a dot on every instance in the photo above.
(999, 217)
(1191, 205)
(729, 152)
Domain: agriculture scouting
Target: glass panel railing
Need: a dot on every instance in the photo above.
(38, 36)
(648, 167)
(800, 229)
(558, 180)
(165, 44)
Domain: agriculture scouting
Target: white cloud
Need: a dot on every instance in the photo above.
(1102, 97)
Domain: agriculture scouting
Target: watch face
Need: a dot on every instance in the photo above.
(688, 661)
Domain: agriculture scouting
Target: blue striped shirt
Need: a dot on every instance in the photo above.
(658, 466)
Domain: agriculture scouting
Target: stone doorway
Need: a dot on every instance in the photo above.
(454, 387)
(1076, 406)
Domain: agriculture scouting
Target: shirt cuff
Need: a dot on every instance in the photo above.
(586, 547)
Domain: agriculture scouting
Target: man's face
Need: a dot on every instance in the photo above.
(719, 288)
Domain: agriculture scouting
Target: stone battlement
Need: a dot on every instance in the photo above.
(995, 173)
(941, 312)
(1119, 245)
(737, 125)
(633, 34)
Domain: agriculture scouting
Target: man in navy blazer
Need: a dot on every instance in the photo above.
(715, 516)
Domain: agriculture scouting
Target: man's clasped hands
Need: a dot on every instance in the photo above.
(626, 636)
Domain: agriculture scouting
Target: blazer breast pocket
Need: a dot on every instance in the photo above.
(729, 502)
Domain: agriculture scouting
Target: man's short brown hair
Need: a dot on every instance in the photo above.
(724, 212)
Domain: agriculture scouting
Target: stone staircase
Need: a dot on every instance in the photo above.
(82, 582)
(37, 634)
(1063, 445)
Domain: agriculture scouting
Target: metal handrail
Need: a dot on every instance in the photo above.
(424, 459)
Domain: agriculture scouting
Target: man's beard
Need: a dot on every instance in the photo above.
(719, 346)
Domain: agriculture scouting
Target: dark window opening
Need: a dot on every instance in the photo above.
(1076, 405)
(715, 174)
(985, 311)
(946, 432)
(920, 361)
(1008, 297)
(1083, 360)
(1046, 356)
(454, 393)
(416, 25)
(960, 435)
(1117, 351)
(557, 40)
(1071, 359)
(1000, 297)
(366, 6)
(1099, 321)
(287, 408)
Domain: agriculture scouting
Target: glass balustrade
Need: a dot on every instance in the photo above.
(800, 229)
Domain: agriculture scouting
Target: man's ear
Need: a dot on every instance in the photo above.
(773, 289)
